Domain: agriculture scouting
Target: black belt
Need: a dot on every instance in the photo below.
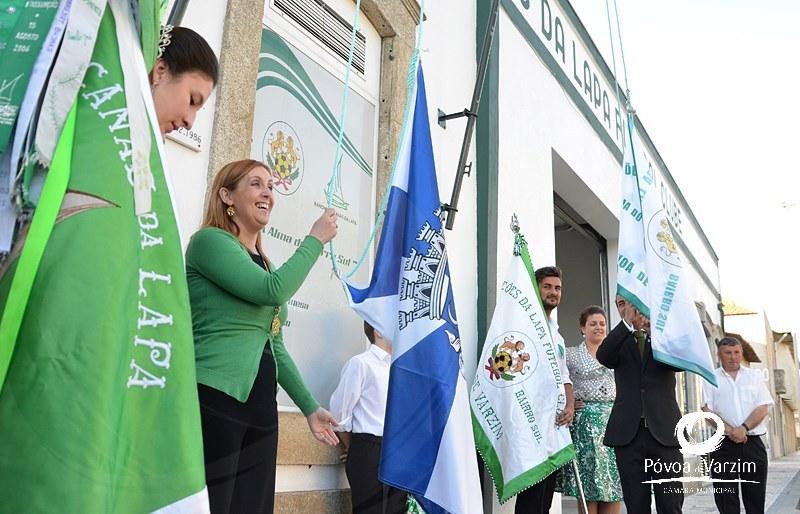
(749, 436)
(368, 438)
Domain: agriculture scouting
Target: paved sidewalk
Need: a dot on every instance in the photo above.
(789, 500)
(780, 474)
(783, 491)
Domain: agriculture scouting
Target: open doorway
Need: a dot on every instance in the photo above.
(581, 254)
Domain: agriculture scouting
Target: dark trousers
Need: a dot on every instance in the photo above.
(240, 442)
(745, 461)
(537, 498)
(645, 459)
(370, 495)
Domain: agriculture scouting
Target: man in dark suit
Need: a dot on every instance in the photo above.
(641, 428)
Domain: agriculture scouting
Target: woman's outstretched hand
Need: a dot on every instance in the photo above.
(321, 423)
(325, 227)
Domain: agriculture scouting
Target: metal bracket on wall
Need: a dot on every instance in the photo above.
(462, 169)
(442, 117)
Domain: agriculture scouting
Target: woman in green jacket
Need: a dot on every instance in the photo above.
(238, 302)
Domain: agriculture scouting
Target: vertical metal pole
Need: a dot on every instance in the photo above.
(582, 497)
(486, 191)
(488, 38)
(176, 13)
(605, 285)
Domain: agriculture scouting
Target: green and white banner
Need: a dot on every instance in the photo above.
(518, 388)
(99, 409)
(650, 271)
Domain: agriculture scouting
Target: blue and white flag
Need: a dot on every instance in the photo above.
(428, 447)
(650, 270)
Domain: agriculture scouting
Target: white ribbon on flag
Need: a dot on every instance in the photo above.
(67, 76)
(132, 62)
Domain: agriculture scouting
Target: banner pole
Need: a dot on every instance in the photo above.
(177, 12)
(581, 496)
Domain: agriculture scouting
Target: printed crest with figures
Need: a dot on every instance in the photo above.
(284, 155)
(509, 360)
(425, 287)
(659, 234)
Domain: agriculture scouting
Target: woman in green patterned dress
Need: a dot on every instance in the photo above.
(594, 396)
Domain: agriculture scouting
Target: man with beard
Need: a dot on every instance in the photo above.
(537, 498)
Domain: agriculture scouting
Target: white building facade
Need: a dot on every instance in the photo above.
(547, 148)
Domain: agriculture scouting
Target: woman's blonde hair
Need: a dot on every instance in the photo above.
(229, 177)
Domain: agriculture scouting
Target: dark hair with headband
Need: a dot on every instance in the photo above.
(184, 51)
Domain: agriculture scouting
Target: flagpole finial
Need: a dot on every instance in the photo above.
(518, 239)
(628, 103)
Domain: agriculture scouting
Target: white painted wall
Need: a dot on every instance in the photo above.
(537, 117)
(448, 59)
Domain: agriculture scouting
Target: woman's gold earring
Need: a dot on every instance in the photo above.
(231, 211)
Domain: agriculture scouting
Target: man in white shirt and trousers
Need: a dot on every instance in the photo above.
(742, 401)
(359, 403)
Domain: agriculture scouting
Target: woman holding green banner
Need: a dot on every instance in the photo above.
(238, 301)
(594, 397)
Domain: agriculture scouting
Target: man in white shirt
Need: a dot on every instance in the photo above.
(359, 403)
(538, 498)
(742, 401)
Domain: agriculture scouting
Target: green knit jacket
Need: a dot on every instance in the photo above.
(233, 302)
